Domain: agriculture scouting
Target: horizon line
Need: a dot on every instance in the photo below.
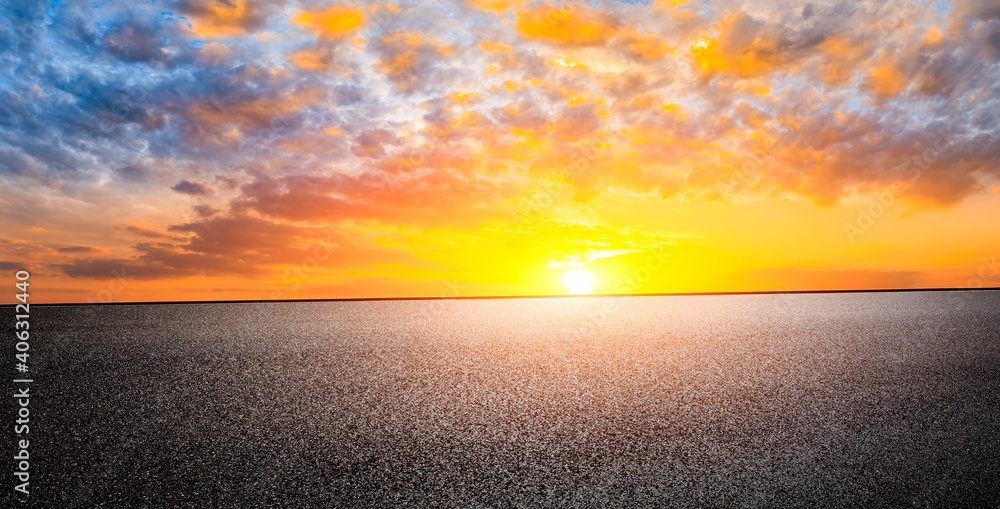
(494, 297)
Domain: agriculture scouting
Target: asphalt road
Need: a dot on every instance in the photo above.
(856, 400)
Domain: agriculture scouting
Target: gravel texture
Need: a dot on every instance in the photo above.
(855, 400)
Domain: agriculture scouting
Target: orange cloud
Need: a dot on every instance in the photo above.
(706, 54)
(222, 18)
(494, 5)
(668, 4)
(758, 57)
(645, 101)
(252, 113)
(214, 54)
(333, 22)
(494, 47)
(572, 27)
(933, 36)
(745, 47)
(403, 52)
(320, 142)
(842, 57)
(312, 59)
(886, 79)
(464, 98)
(646, 47)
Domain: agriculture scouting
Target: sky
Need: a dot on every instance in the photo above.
(209, 150)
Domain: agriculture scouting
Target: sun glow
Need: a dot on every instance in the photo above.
(578, 281)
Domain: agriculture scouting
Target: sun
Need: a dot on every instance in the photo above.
(578, 281)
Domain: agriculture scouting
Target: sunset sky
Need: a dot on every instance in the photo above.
(198, 150)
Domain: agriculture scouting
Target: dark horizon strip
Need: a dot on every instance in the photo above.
(475, 297)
